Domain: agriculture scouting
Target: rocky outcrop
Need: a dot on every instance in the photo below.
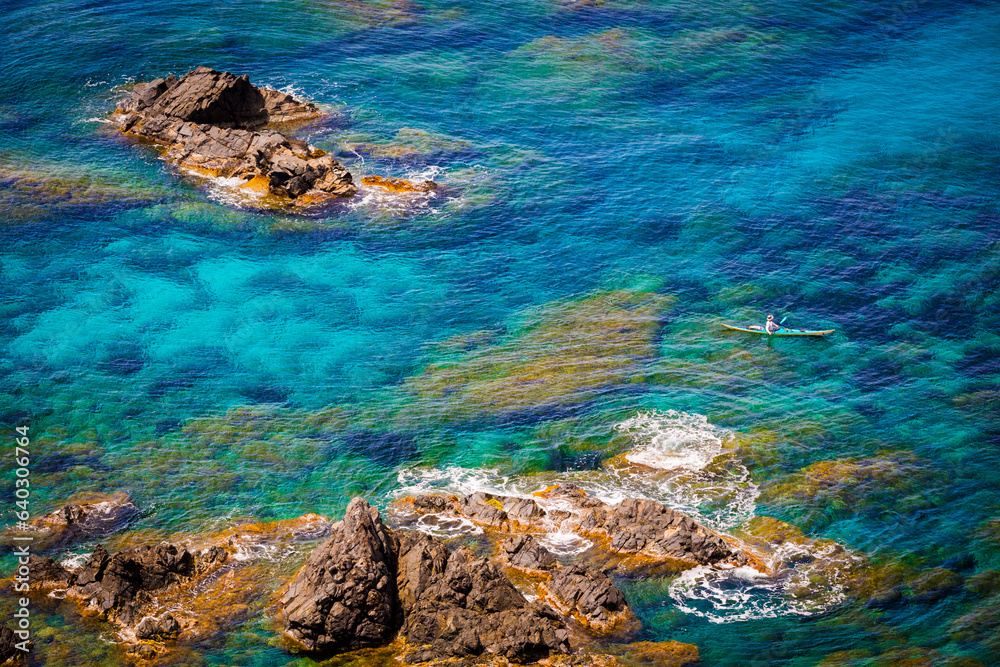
(466, 606)
(590, 597)
(192, 588)
(112, 584)
(366, 582)
(94, 518)
(526, 554)
(642, 531)
(639, 526)
(46, 573)
(209, 122)
(9, 653)
(345, 596)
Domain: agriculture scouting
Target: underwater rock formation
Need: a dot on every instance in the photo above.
(95, 517)
(570, 352)
(208, 122)
(398, 184)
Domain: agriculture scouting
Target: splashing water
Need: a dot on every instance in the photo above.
(680, 459)
(808, 580)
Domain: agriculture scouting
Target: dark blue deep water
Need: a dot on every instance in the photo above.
(835, 163)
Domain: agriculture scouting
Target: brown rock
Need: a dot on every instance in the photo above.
(525, 553)
(9, 652)
(208, 121)
(97, 516)
(471, 608)
(398, 184)
(639, 533)
(46, 573)
(590, 597)
(149, 627)
(111, 584)
(346, 596)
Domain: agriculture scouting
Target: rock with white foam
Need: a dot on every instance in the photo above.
(209, 123)
(96, 516)
(643, 531)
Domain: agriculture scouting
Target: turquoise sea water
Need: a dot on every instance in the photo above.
(837, 163)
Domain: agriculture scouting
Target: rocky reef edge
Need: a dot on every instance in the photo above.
(490, 596)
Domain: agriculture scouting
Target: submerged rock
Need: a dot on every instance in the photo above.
(398, 184)
(97, 517)
(208, 121)
(568, 353)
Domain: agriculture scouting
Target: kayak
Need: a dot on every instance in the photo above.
(780, 332)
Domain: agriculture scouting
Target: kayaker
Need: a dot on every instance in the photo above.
(771, 326)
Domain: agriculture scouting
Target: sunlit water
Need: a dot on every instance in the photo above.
(837, 164)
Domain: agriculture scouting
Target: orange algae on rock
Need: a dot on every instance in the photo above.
(662, 654)
(398, 184)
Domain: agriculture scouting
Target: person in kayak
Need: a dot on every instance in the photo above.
(771, 326)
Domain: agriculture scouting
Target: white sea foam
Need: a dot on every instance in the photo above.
(228, 190)
(673, 440)
(454, 479)
(682, 461)
(443, 525)
(564, 543)
(807, 580)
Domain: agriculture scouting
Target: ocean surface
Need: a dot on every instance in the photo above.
(619, 178)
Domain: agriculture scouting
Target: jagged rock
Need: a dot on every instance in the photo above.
(47, 573)
(110, 584)
(646, 526)
(77, 521)
(209, 121)
(345, 597)
(9, 653)
(525, 553)
(209, 97)
(150, 627)
(644, 530)
(467, 606)
(422, 559)
(589, 596)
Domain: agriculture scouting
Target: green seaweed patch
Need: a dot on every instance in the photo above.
(980, 626)
(409, 144)
(562, 354)
(890, 482)
(31, 190)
